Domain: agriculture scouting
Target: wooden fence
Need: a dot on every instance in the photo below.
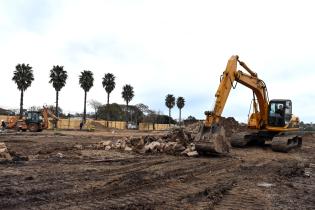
(151, 126)
(75, 124)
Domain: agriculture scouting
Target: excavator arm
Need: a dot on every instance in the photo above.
(250, 80)
(47, 113)
(211, 137)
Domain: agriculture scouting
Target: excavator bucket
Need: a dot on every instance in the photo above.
(212, 140)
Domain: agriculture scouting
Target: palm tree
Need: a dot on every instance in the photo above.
(127, 95)
(58, 78)
(170, 103)
(109, 84)
(23, 77)
(86, 82)
(180, 104)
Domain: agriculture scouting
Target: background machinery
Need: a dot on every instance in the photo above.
(34, 121)
(271, 120)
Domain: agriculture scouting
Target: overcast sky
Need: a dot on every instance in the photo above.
(160, 47)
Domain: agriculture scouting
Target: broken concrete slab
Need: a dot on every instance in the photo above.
(192, 154)
(4, 152)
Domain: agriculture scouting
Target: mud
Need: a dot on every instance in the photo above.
(56, 173)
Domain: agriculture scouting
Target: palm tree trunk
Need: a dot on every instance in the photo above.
(21, 104)
(180, 117)
(57, 100)
(107, 110)
(169, 117)
(84, 111)
(127, 116)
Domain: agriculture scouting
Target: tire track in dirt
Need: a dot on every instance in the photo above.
(161, 181)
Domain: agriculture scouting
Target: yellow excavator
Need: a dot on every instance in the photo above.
(34, 121)
(272, 120)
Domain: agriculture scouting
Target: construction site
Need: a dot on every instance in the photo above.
(162, 105)
(126, 169)
(216, 163)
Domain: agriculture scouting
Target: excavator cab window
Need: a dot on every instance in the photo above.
(280, 112)
(33, 117)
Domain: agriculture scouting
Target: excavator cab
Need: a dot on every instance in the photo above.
(280, 112)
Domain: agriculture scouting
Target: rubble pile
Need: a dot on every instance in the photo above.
(176, 142)
(194, 127)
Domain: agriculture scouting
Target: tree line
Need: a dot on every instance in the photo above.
(23, 77)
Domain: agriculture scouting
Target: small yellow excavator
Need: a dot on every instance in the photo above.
(272, 120)
(34, 121)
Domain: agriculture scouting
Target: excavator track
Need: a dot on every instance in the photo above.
(285, 143)
(244, 139)
(240, 139)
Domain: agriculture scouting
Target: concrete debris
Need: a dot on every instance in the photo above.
(60, 155)
(106, 143)
(4, 153)
(78, 146)
(192, 154)
(308, 171)
(153, 147)
(128, 148)
(176, 142)
(264, 184)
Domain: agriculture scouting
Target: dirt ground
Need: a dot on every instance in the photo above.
(50, 172)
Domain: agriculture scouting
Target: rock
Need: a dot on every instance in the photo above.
(192, 154)
(264, 184)
(117, 145)
(128, 148)
(162, 147)
(60, 155)
(179, 147)
(120, 144)
(179, 135)
(192, 146)
(187, 150)
(136, 141)
(152, 147)
(106, 143)
(78, 146)
(160, 140)
(149, 139)
(4, 153)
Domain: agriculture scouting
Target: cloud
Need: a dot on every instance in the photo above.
(159, 47)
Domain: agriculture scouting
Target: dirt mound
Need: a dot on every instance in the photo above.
(230, 125)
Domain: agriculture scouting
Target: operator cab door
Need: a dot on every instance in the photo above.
(280, 112)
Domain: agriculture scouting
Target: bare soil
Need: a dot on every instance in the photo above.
(50, 172)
